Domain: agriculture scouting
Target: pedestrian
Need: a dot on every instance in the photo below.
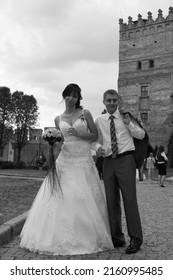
(150, 165)
(161, 165)
(141, 172)
(116, 144)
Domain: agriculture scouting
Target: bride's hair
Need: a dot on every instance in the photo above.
(73, 88)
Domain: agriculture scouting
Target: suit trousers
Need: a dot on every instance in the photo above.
(119, 175)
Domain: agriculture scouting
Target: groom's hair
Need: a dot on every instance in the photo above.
(110, 91)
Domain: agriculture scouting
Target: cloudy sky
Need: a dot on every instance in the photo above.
(47, 44)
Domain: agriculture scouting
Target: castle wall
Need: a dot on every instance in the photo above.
(146, 72)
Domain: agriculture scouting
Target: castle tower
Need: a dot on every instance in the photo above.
(145, 79)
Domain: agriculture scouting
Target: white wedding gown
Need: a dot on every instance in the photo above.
(75, 222)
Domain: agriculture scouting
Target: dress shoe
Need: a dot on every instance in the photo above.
(134, 246)
(119, 243)
(162, 186)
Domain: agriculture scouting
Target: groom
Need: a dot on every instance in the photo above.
(116, 132)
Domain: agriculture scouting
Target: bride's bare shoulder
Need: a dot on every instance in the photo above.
(57, 120)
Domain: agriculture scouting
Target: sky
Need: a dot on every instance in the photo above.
(47, 44)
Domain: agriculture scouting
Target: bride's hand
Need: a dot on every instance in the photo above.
(73, 132)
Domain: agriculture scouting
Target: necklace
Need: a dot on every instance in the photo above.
(69, 115)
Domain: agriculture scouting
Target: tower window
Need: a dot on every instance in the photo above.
(144, 90)
(144, 117)
(139, 65)
(151, 63)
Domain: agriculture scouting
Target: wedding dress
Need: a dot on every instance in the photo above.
(74, 221)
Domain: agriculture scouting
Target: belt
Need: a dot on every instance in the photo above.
(122, 154)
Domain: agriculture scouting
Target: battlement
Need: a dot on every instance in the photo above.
(148, 25)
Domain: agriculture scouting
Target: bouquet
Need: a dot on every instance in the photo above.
(52, 135)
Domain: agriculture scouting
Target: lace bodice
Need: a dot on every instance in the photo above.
(73, 145)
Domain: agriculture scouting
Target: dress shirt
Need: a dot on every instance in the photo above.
(124, 133)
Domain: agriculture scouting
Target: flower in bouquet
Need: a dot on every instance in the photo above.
(52, 135)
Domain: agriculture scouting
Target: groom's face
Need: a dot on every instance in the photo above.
(111, 102)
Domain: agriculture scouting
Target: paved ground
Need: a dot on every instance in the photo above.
(156, 209)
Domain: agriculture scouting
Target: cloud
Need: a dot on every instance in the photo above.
(46, 44)
(59, 33)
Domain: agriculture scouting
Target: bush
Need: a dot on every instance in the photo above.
(7, 165)
(20, 165)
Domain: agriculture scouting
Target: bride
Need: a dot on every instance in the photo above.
(73, 220)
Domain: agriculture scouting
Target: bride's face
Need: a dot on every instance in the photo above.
(71, 99)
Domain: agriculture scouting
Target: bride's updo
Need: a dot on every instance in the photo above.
(73, 88)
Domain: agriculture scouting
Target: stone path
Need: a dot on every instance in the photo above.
(156, 210)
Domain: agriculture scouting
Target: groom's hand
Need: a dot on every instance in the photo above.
(101, 151)
(126, 118)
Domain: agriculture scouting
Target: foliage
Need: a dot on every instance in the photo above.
(5, 116)
(18, 114)
(6, 165)
(24, 115)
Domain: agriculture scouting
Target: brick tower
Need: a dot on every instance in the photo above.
(145, 79)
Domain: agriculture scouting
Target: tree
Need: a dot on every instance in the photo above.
(5, 116)
(25, 114)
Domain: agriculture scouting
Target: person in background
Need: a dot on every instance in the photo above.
(161, 165)
(150, 165)
(141, 172)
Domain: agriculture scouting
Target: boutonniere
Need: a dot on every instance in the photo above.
(82, 117)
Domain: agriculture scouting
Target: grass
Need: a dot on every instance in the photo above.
(24, 172)
(16, 196)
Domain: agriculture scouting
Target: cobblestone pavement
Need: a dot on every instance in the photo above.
(156, 210)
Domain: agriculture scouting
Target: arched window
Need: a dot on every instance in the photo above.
(130, 34)
(144, 31)
(152, 29)
(159, 28)
(137, 33)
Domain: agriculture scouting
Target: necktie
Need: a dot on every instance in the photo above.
(114, 144)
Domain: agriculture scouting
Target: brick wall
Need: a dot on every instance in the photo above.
(146, 59)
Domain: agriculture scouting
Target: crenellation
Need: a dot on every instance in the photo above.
(160, 17)
(150, 18)
(130, 22)
(148, 26)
